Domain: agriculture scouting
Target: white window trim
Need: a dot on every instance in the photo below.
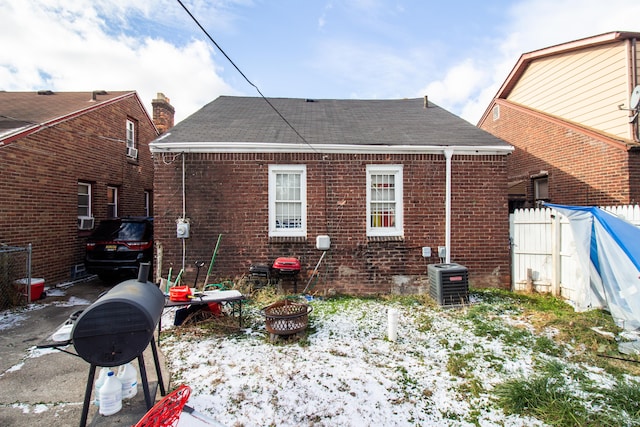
(89, 207)
(131, 139)
(273, 171)
(398, 229)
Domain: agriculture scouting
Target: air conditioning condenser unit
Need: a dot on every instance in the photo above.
(448, 284)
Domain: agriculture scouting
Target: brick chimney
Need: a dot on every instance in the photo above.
(163, 113)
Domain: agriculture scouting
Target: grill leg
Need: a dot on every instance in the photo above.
(87, 396)
(145, 382)
(156, 362)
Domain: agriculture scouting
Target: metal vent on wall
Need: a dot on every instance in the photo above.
(448, 283)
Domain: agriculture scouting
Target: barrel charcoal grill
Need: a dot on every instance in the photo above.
(259, 275)
(117, 328)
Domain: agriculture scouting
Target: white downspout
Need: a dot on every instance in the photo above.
(184, 209)
(448, 153)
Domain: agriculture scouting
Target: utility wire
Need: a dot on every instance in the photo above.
(245, 77)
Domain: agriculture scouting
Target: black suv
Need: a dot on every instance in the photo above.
(118, 246)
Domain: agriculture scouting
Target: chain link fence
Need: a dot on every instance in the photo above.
(15, 264)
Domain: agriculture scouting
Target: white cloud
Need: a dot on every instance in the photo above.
(359, 51)
(46, 46)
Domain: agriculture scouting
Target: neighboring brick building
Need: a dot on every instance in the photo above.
(372, 175)
(70, 159)
(566, 110)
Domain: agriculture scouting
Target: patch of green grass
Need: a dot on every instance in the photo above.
(571, 330)
(424, 322)
(542, 397)
(625, 399)
(547, 346)
(458, 364)
(562, 396)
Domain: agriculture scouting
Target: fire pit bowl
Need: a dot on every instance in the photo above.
(286, 317)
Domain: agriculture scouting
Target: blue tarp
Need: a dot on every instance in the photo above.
(609, 248)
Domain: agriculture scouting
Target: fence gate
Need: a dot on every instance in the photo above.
(15, 264)
(543, 250)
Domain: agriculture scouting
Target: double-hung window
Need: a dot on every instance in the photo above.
(287, 200)
(384, 200)
(130, 138)
(112, 202)
(84, 199)
(85, 214)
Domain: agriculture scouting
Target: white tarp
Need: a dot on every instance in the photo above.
(609, 248)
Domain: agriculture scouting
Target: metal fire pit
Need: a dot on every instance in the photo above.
(286, 317)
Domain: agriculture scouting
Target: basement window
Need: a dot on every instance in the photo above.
(384, 200)
(287, 201)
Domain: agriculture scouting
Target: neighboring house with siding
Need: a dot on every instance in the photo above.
(566, 110)
(374, 175)
(70, 159)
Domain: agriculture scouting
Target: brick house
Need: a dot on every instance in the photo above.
(566, 110)
(372, 175)
(70, 159)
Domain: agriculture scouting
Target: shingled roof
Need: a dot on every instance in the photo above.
(249, 124)
(22, 112)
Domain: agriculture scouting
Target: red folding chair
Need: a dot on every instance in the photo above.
(166, 413)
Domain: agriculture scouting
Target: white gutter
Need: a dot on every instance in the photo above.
(448, 153)
(266, 147)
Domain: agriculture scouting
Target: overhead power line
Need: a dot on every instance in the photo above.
(244, 76)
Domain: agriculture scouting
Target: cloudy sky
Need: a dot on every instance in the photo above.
(458, 53)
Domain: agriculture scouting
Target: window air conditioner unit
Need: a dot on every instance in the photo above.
(132, 152)
(85, 223)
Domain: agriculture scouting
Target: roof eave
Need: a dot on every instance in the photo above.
(36, 127)
(268, 147)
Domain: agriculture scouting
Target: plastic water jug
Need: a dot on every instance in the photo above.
(110, 395)
(99, 383)
(128, 377)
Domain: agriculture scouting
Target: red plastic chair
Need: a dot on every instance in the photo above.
(166, 413)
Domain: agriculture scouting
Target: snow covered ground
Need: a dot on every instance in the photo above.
(348, 373)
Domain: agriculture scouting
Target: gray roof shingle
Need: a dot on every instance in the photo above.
(328, 121)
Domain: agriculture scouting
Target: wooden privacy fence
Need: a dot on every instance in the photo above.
(543, 251)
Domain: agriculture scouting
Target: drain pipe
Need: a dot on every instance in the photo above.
(448, 153)
(184, 210)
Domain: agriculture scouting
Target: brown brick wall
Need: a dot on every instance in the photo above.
(40, 172)
(228, 194)
(582, 169)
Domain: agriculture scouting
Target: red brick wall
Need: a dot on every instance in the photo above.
(582, 169)
(40, 173)
(228, 194)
